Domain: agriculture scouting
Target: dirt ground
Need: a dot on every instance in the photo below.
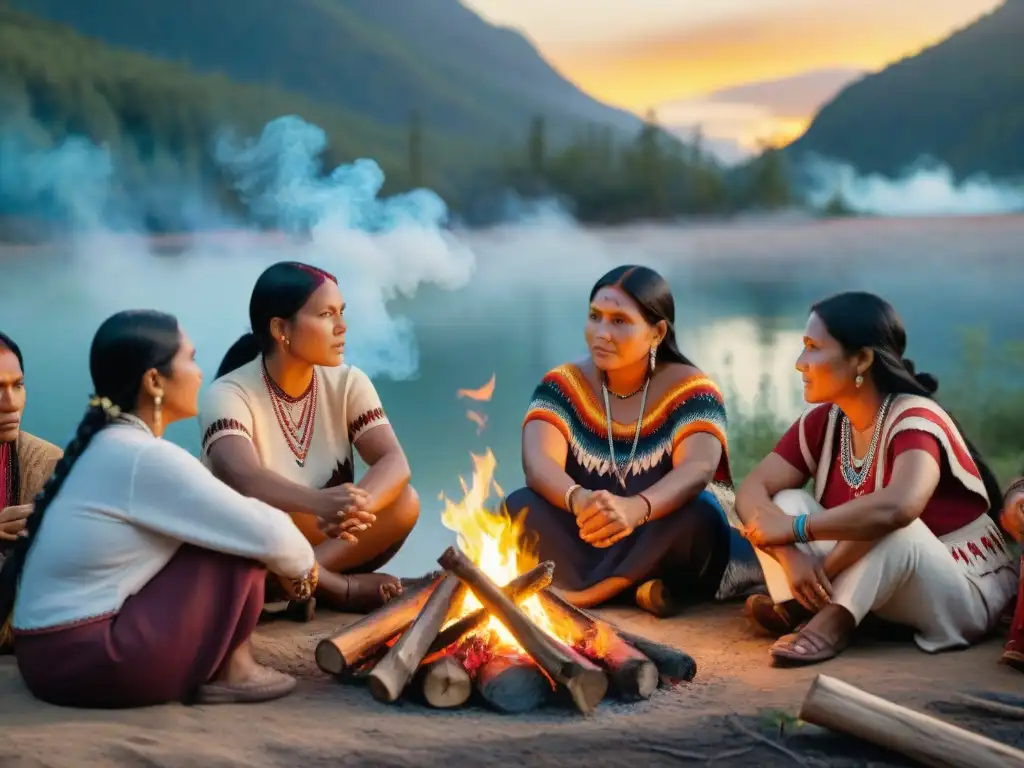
(724, 710)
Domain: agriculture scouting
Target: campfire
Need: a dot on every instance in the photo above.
(490, 624)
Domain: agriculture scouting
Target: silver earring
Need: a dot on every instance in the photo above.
(858, 381)
(158, 402)
(654, 357)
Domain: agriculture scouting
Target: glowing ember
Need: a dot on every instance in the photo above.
(491, 541)
(481, 395)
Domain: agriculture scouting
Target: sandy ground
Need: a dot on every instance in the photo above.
(325, 723)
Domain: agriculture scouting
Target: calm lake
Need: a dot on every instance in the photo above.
(513, 310)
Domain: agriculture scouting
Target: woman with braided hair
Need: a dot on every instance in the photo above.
(142, 576)
(903, 521)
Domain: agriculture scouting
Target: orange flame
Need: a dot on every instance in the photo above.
(479, 419)
(481, 395)
(491, 541)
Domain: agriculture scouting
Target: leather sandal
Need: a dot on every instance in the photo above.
(815, 649)
(266, 685)
(775, 619)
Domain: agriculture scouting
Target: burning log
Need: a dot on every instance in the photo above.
(335, 655)
(444, 683)
(512, 684)
(392, 673)
(633, 675)
(587, 686)
(673, 665)
(833, 704)
(523, 586)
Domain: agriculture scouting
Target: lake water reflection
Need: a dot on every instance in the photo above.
(742, 294)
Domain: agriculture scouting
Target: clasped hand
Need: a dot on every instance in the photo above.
(768, 529)
(604, 518)
(347, 512)
(13, 521)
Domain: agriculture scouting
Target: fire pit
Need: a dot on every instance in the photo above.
(518, 645)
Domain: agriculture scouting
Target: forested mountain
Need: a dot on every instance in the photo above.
(376, 58)
(960, 102)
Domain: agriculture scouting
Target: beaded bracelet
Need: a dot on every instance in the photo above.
(568, 497)
(648, 515)
(800, 529)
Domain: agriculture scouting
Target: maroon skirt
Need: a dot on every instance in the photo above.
(169, 638)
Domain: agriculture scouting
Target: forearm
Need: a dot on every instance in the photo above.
(678, 487)
(864, 519)
(549, 481)
(270, 488)
(386, 479)
(845, 554)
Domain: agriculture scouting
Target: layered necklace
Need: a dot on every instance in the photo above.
(295, 415)
(856, 472)
(623, 474)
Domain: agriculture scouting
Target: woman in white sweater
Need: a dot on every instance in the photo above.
(142, 577)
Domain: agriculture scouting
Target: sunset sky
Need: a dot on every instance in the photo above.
(719, 63)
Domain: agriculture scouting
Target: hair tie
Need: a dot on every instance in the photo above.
(104, 404)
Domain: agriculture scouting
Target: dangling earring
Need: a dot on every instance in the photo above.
(654, 357)
(158, 401)
(858, 381)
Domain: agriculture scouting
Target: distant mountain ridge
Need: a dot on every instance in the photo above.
(464, 75)
(960, 102)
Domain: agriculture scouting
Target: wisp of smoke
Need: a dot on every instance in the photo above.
(925, 189)
(379, 248)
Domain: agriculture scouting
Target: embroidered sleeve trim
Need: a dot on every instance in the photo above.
(222, 428)
(372, 417)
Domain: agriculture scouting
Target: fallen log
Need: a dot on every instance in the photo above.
(444, 683)
(334, 655)
(633, 676)
(839, 706)
(587, 686)
(523, 586)
(392, 673)
(512, 684)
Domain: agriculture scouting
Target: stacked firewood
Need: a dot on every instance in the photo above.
(418, 644)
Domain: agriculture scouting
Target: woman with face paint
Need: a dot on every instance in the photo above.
(626, 461)
(903, 520)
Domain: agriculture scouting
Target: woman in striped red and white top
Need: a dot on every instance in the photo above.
(903, 520)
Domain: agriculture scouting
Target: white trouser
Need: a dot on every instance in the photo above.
(911, 577)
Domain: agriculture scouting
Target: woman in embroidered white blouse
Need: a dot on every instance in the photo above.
(142, 577)
(280, 424)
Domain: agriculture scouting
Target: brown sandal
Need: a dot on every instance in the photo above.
(266, 685)
(369, 591)
(775, 619)
(805, 647)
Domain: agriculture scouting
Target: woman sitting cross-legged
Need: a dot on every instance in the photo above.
(626, 461)
(142, 576)
(280, 424)
(903, 518)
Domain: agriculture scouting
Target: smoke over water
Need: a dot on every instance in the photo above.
(925, 189)
(380, 248)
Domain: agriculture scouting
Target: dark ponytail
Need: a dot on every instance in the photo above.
(653, 296)
(125, 347)
(280, 291)
(243, 351)
(859, 320)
